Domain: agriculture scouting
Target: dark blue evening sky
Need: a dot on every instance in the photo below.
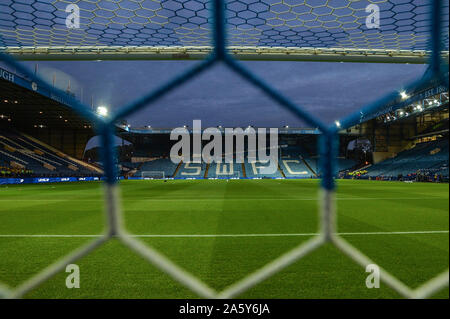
(219, 97)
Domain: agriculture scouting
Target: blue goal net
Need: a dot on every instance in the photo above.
(256, 29)
(218, 31)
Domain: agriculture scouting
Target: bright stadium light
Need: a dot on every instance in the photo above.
(102, 111)
(338, 124)
(404, 95)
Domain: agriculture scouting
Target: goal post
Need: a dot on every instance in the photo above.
(152, 175)
(232, 175)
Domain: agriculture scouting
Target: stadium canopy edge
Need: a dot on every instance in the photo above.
(200, 53)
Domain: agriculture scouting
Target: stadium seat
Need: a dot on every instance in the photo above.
(429, 156)
(36, 156)
(225, 170)
(191, 170)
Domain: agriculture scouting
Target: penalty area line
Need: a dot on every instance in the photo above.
(226, 235)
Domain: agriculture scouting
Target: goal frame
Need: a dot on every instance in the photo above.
(247, 53)
(162, 173)
(235, 175)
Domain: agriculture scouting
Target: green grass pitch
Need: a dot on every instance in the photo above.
(402, 227)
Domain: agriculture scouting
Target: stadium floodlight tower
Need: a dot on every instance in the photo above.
(220, 31)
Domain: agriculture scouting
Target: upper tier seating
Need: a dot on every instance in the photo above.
(424, 156)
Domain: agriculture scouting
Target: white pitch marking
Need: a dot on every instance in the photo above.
(232, 199)
(228, 235)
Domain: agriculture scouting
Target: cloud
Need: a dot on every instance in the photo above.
(218, 96)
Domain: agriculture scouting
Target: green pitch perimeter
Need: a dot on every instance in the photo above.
(402, 227)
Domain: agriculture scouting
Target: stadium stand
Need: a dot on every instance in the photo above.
(295, 168)
(38, 159)
(293, 162)
(342, 163)
(191, 170)
(296, 161)
(164, 165)
(308, 160)
(131, 165)
(294, 151)
(254, 170)
(6, 171)
(225, 170)
(424, 158)
(442, 125)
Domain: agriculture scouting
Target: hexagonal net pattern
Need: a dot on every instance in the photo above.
(253, 26)
(437, 73)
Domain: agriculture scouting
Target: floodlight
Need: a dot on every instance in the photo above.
(102, 111)
(404, 95)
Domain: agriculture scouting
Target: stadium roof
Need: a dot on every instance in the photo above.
(151, 130)
(23, 103)
(332, 30)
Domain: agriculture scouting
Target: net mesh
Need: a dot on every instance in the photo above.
(23, 13)
(404, 24)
